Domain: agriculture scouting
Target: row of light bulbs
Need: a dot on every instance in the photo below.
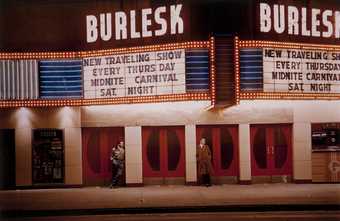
(82, 54)
(276, 44)
(106, 101)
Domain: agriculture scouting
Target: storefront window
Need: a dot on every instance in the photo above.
(326, 136)
(48, 156)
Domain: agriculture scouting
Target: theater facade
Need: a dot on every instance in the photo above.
(260, 80)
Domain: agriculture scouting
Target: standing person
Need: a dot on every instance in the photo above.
(118, 160)
(204, 167)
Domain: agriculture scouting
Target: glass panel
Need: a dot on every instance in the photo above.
(174, 150)
(259, 149)
(153, 150)
(280, 148)
(227, 148)
(207, 134)
(93, 151)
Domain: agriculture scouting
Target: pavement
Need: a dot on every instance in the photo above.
(171, 197)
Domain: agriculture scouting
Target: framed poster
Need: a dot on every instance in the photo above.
(48, 156)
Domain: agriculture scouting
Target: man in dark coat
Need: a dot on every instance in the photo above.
(204, 166)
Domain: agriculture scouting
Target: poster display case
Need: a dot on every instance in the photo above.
(48, 156)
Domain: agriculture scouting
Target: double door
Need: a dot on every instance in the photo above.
(97, 148)
(223, 143)
(271, 150)
(163, 152)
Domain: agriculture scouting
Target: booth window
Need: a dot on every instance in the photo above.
(326, 136)
(48, 156)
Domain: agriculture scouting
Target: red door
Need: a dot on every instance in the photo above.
(271, 150)
(223, 143)
(163, 151)
(97, 146)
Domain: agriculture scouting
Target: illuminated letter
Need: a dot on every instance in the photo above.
(105, 30)
(160, 21)
(293, 20)
(315, 22)
(265, 20)
(176, 20)
(146, 22)
(279, 19)
(91, 28)
(327, 23)
(304, 31)
(121, 32)
(134, 34)
(337, 24)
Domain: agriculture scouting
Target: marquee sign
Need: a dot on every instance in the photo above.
(298, 22)
(136, 74)
(301, 71)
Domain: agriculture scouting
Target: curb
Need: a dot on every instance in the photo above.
(186, 209)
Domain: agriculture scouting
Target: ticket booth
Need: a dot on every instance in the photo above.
(223, 143)
(163, 155)
(97, 146)
(326, 152)
(271, 153)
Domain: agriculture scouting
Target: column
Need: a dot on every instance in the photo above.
(23, 156)
(73, 156)
(133, 156)
(302, 152)
(244, 154)
(190, 154)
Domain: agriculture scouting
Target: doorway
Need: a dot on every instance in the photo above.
(7, 159)
(271, 152)
(163, 155)
(97, 147)
(223, 143)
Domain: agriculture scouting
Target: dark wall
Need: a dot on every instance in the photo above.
(60, 25)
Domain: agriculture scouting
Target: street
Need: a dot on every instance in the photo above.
(230, 216)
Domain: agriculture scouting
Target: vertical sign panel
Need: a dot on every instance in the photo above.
(251, 69)
(60, 79)
(197, 70)
(18, 79)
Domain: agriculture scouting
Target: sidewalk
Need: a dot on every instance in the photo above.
(169, 197)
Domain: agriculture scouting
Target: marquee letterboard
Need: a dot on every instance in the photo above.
(301, 71)
(137, 74)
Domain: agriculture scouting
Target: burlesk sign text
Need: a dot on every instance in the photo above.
(290, 20)
(135, 24)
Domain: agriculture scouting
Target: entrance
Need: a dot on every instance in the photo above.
(97, 146)
(223, 143)
(271, 151)
(163, 155)
(7, 159)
